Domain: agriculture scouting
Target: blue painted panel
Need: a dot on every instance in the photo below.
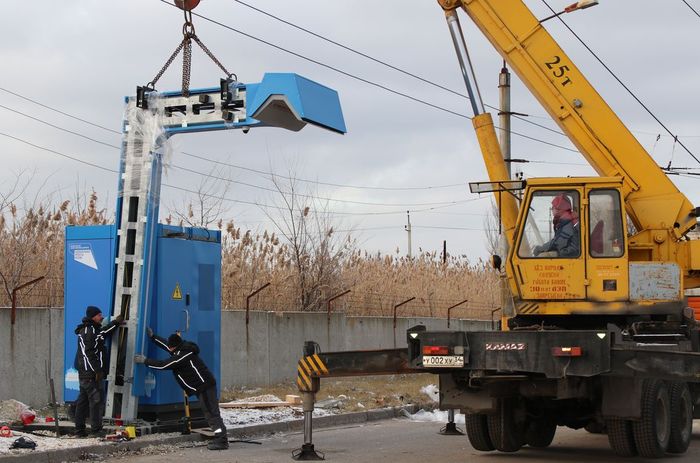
(88, 271)
(313, 102)
(181, 255)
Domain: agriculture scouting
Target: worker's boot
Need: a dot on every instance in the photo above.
(219, 442)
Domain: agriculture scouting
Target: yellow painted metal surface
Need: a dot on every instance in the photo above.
(493, 159)
(652, 200)
(661, 214)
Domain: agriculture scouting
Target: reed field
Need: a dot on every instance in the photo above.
(303, 269)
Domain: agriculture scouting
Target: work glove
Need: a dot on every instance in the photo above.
(99, 376)
(537, 250)
(138, 358)
(119, 319)
(149, 332)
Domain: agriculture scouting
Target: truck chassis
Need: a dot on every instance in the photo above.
(640, 386)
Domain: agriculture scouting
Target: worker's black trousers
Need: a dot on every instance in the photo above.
(89, 402)
(210, 407)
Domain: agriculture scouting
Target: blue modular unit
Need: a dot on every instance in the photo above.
(89, 271)
(186, 297)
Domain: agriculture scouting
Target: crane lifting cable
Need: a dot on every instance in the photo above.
(188, 35)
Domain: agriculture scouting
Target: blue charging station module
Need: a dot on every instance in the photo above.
(186, 298)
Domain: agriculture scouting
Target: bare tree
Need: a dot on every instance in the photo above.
(206, 208)
(316, 249)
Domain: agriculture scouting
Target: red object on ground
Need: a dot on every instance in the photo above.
(49, 419)
(5, 432)
(188, 5)
(27, 417)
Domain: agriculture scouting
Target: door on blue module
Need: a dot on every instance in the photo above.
(187, 300)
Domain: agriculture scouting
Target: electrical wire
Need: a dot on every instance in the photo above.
(384, 63)
(250, 185)
(59, 111)
(72, 158)
(355, 77)
(691, 8)
(619, 80)
(266, 174)
(223, 198)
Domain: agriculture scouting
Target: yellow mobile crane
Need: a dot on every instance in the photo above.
(600, 270)
(600, 335)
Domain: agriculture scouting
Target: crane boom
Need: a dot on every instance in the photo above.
(653, 201)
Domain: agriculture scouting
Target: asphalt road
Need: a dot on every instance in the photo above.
(405, 441)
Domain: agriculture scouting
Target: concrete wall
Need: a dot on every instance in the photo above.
(264, 352)
(31, 352)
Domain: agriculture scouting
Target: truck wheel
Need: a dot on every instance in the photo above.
(594, 427)
(540, 433)
(621, 437)
(478, 432)
(681, 418)
(652, 432)
(506, 434)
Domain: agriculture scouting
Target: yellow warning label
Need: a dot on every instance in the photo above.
(177, 293)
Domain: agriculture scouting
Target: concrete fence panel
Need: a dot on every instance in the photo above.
(263, 352)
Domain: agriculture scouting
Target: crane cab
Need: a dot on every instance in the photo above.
(570, 244)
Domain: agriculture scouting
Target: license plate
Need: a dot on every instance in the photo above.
(443, 361)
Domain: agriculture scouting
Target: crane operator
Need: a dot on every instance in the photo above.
(566, 241)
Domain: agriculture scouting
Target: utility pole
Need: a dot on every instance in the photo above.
(408, 230)
(444, 251)
(504, 115)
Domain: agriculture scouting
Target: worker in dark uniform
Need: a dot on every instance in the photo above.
(566, 241)
(194, 378)
(90, 361)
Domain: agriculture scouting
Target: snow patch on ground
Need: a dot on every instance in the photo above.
(432, 391)
(239, 417)
(439, 416)
(234, 418)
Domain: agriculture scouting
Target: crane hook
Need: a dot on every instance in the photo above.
(187, 5)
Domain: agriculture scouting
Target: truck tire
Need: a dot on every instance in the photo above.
(478, 432)
(652, 432)
(505, 433)
(681, 417)
(621, 437)
(595, 427)
(540, 432)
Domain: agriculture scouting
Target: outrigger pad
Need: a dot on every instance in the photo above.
(290, 101)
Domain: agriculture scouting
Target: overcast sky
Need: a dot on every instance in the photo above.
(83, 56)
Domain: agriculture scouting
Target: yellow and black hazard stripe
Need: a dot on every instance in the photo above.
(529, 308)
(309, 367)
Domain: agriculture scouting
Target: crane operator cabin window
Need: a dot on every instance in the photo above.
(605, 224)
(552, 228)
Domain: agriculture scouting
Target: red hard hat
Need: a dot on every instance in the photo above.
(187, 4)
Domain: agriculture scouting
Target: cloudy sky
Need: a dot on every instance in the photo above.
(81, 57)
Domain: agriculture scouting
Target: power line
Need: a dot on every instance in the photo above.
(203, 174)
(382, 62)
(72, 158)
(619, 80)
(691, 8)
(266, 174)
(223, 198)
(352, 76)
(59, 111)
(363, 203)
(63, 129)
